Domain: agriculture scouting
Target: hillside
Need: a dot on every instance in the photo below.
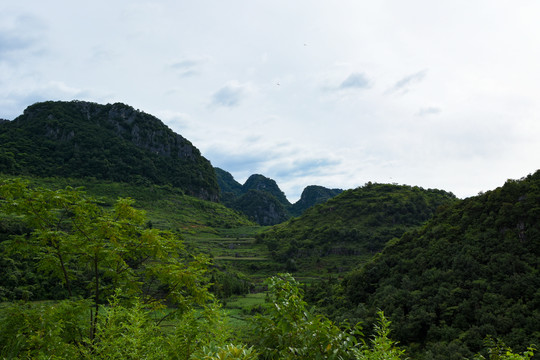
(355, 224)
(166, 208)
(472, 271)
(108, 142)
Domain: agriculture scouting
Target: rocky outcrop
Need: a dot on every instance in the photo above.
(113, 141)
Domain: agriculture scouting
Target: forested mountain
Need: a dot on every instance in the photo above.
(261, 207)
(113, 142)
(356, 222)
(262, 200)
(229, 187)
(312, 195)
(472, 271)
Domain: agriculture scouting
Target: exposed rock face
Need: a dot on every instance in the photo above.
(112, 141)
(134, 126)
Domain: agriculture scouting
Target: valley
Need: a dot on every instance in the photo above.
(108, 215)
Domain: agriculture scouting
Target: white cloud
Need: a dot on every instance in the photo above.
(403, 85)
(230, 95)
(355, 81)
(462, 114)
(430, 110)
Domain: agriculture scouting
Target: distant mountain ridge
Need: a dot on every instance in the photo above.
(261, 199)
(112, 142)
(313, 195)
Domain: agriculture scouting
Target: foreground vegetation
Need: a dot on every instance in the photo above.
(119, 276)
(125, 290)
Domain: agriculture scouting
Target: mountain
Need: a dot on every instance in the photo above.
(472, 271)
(110, 142)
(261, 207)
(228, 186)
(261, 199)
(313, 195)
(262, 183)
(354, 224)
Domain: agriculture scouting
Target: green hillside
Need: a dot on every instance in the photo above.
(353, 225)
(472, 271)
(166, 208)
(109, 142)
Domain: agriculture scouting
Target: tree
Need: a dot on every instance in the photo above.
(98, 254)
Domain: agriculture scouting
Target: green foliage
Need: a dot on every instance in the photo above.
(356, 222)
(228, 283)
(261, 206)
(288, 330)
(196, 331)
(497, 350)
(113, 142)
(261, 199)
(43, 330)
(312, 195)
(262, 183)
(125, 332)
(471, 272)
(229, 352)
(166, 207)
(94, 251)
(381, 347)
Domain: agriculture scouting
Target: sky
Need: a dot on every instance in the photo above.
(437, 94)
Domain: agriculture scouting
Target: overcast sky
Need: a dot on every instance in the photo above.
(439, 94)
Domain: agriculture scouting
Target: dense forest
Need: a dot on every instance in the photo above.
(126, 290)
(471, 272)
(353, 225)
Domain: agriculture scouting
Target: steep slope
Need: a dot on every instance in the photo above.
(262, 183)
(229, 188)
(261, 207)
(113, 142)
(313, 195)
(356, 222)
(472, 271)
